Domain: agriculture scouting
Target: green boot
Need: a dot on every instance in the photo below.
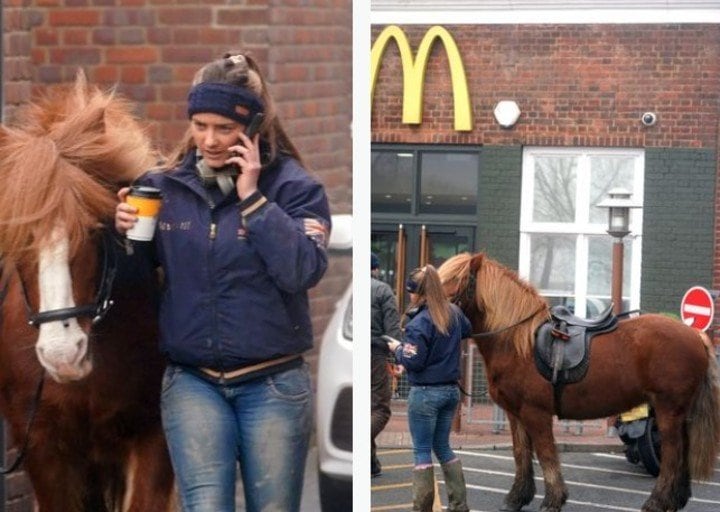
(423, 489)
(455, 485)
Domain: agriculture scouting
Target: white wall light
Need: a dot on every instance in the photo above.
(506, 113)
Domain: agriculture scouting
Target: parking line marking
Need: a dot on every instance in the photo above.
(603, 506)
(589, 468)
(388, 487)
(401, 506)
(393, 452)
(396, 466)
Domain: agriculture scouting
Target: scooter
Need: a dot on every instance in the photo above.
(638, 431)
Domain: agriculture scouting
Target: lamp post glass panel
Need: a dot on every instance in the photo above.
(618, 203)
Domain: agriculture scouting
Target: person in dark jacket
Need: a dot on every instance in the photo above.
(384, 320)
(430, 352)
(240, 239)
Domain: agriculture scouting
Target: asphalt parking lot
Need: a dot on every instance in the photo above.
(596, 480)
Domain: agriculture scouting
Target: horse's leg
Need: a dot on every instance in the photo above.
(523, 489)
(672, 488)
(539, 426)
(150, 475)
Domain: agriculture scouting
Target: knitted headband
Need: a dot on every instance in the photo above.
(223, 99)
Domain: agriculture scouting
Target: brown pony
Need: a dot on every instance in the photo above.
(649, 358)
(91, 433)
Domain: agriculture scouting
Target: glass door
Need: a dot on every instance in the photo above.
(403, 247)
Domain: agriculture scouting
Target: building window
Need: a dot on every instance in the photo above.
(565, 250)
(424, 180)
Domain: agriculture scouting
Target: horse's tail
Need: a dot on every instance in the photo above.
(704, 424)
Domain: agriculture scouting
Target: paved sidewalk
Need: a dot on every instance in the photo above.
(569, 436)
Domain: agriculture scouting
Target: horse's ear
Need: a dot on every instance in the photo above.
(476, 262)
(81, 87)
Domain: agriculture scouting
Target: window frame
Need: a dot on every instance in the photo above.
(416, 151)
(581, 227)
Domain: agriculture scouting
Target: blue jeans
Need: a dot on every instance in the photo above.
(264, 424)
(430, 414)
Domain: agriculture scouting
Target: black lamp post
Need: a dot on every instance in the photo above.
(618, 204)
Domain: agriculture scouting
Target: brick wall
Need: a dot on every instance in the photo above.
(585, 85)
(150, 49)
(577, 85)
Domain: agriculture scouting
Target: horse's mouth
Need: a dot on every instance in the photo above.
(71, 372)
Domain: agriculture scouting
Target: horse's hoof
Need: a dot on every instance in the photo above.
(509, 508)
(543, 508)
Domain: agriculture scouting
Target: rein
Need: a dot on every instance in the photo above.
(503, 329)
(95, 310)
(33, 411)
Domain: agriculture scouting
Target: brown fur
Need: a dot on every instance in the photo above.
(63, 161)
(650, 358)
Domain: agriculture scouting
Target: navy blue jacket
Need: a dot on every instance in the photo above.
(429, 356)
(236, 274)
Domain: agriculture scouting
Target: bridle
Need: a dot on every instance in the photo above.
(95, 310)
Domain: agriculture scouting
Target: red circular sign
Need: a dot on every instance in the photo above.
(697, 308)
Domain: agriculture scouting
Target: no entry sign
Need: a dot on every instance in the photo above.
(697, 308)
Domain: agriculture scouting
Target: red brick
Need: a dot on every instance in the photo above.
(184, 16)
(75, 37)
(120, 55)
(46, 36)
(133, 74)
(73, 17)
(106, 74)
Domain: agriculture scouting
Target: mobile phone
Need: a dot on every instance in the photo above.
(250, 132)
(254, 125)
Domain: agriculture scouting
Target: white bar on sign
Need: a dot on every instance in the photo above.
(698, 310)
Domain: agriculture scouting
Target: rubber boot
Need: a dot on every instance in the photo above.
(423, 489)
(455, 485)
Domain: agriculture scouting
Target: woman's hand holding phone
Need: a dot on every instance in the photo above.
(247, 158)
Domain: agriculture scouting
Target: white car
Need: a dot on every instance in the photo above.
(335, 393)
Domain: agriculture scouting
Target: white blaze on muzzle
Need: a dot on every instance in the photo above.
(62, 345)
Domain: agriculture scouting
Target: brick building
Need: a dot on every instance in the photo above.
(149, 50)
(448, 174)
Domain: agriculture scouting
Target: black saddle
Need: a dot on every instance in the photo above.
(597, 323)
(562, 346)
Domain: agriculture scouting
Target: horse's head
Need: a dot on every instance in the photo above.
(63, 294)
(494, 298)
(457, 275)
(60, 166)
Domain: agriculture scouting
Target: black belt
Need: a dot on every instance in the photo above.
(433, 384)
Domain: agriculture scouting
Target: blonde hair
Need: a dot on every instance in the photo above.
(238, 69)
(429, 291)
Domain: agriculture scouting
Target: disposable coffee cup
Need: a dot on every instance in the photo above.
(148, 201)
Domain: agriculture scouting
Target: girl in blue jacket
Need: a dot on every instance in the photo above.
(430, 352)
(241, 237)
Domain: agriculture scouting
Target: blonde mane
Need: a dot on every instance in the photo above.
(61, 163)
(500, 295)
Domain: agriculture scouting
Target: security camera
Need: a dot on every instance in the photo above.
(648, 118)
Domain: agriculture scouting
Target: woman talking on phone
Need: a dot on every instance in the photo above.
(430, 352)
(241, 237)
